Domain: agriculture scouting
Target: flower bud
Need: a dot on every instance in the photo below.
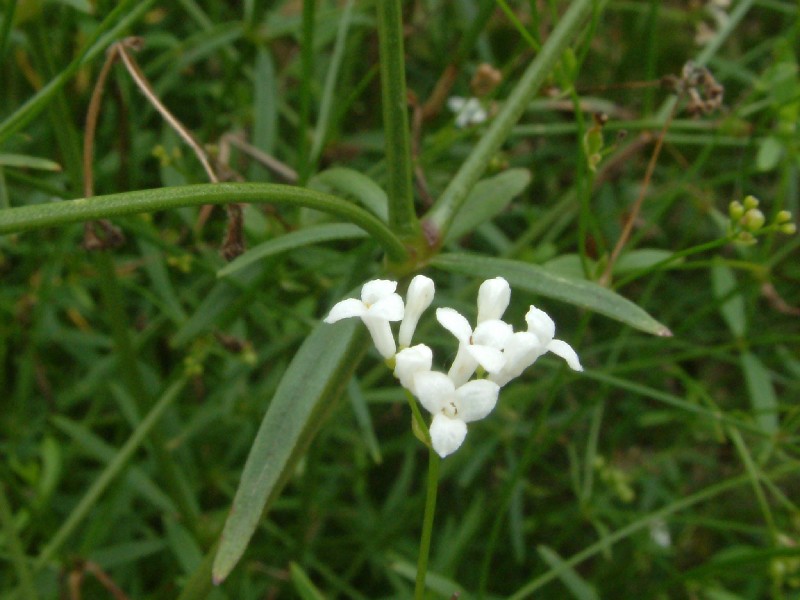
(789, 228)
(753, 219)
(735, 210)
(750, 202)
(783, 216)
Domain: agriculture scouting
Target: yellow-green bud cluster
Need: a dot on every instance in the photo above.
(747, 221)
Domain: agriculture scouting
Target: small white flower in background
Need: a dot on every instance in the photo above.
(469, 111)
(409, 362)
(659, 533)
(483, 346)
(378, 306)
(418, 298)
(453, 407)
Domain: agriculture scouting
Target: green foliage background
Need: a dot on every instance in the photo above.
(134, 381)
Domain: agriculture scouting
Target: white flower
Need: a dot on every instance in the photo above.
(453, 407)
(523, 348)
(418, 298)
(493, 298)
(469, 111)
(379, 304)
(483, 346)
(409, 362)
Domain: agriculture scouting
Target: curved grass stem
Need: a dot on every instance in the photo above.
(27, 218)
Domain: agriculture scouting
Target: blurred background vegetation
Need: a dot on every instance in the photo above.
(667, 470)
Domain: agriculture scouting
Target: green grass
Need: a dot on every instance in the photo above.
(135, 381)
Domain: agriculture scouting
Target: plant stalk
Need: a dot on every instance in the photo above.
(427, 524)
(402, 216)
(442, 213)
(37, 216)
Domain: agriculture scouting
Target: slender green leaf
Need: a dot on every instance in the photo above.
(576, 584)
(307, 393)
(538, 280)
(321, 130)
(488, 198)
(762, 393)
(265, 110)
(642, 258)
(227, 297)
(295, 239)
(112, 470)
(303, 585)
(732, 309)
(444, 586)
(28, 162)
(354, 184)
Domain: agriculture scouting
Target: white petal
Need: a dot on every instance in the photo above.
(522, 350)
(494, 333)
(389, 308)
(540, 323)
(455, 323)
(463, 366)
(493, 298)
(409, 362)
(476, 399)
(434, 390)
(420, 293)
(381, 334)
(377, 289)
(565, 351)
(489, 358)
(346, 309)
(447, 434)
(418, 298)
(456, 103)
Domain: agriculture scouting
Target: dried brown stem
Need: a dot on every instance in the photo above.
(605, 278)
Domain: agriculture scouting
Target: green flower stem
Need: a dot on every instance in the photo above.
(445, 208)
(111, 27)
(402, 216)
(37, 216)
(427, 523)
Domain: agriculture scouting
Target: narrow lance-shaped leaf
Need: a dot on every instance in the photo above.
(488, 198)
(306, 395)
(539, 280)
(290, 241)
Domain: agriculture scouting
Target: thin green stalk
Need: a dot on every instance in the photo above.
(114, 469)
(199, 584)
(331, 79)
(445, 208)
(14, 547)
(307, 67)
(96, 44)
(755, 476)
(402, 216)
(603, 544)
(131, 375)
(8, 21)
(37, 216)
(427, 524)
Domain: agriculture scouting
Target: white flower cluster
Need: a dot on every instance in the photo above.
(453, 399)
